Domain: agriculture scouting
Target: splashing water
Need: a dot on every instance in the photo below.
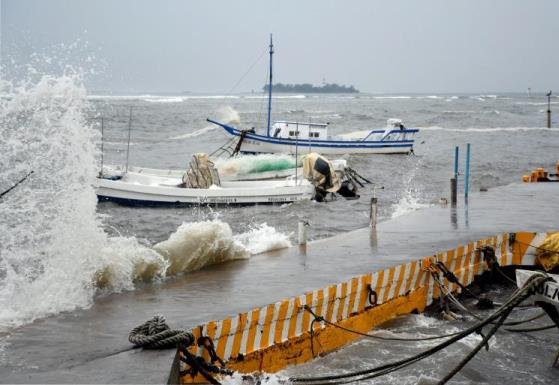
(411, 198)
(227, 115)
(195, 245)
(410, 201)
(52, 240)
(262, 238)
(55, 255)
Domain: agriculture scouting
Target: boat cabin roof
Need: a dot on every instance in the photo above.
(301, 130)
(285, 122)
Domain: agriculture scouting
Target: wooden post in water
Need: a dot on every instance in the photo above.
(454, 180)
(453, 188)
(467, 174)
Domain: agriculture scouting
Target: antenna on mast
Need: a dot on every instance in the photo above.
(270, 88)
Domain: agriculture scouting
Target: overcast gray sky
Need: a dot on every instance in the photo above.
(424, 46)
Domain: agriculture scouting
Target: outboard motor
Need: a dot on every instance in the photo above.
(321, 173)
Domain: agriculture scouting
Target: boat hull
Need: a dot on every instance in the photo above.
(253, 143)
(232, 193)
(251, 146)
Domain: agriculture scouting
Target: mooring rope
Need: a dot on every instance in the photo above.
(455, 301)
(318, 318)
(500, 314)
(526, 330)
(449, 275)
(16, 184)
(537, 247)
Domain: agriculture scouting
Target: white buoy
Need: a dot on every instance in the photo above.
(303, 225)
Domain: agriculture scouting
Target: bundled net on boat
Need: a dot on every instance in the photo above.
(201, 173)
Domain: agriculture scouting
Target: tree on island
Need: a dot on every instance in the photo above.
(331, 88)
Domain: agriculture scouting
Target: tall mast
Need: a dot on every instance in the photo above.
(270, 88)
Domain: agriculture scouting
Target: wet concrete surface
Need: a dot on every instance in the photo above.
(90, 346)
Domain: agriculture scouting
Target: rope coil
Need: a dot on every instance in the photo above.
(156, 334)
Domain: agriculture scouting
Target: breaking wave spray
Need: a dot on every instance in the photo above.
(55, 255)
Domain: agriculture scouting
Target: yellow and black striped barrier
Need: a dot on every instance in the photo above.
(269, 338)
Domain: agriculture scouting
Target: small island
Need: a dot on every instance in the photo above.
(328, 88)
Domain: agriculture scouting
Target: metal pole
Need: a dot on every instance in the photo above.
(102, 141)
(467, 174)
(549, 109)
(128, 146)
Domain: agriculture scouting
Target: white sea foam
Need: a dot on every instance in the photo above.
(211, 97)
(408, 203)
(535, 103)
(115, 97)
(261, 238)
(173, 99)
(488, 129)
(159, 98)
(55, 255)
(195, 245)
(392, 97)
(411, 198)
(276, 97)
(263, 379)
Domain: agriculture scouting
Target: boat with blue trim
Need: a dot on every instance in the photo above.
(306, 137)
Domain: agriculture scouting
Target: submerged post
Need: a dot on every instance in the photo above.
(467, 173)
(302, 232)
(454, 180)
(549, 109)
(456, 150)
(373, 210)
(453, 192)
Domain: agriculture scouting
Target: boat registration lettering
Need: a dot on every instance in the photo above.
(205, 199)
(282, 199)
(547, 292)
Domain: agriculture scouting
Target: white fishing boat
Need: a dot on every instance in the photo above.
(201, 184)
(306, 137)
(140, 189)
